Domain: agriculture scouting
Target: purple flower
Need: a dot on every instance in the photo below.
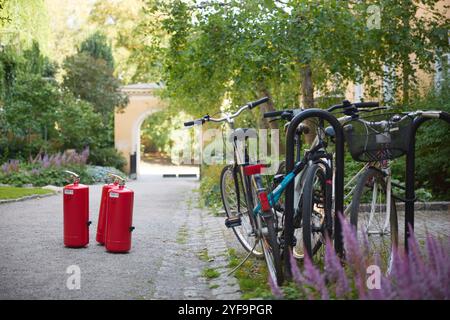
(276, 291)
(421, 273)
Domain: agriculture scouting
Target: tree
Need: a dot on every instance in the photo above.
(408, 38)
(24, 21)
(118, 19)
(78, 124)
(97, 47)
(92, 80)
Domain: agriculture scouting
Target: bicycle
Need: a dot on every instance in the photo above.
(376, 140)
(313, 175)
(242, 189)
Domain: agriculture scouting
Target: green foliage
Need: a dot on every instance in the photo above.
(209, 187)
(78, 124)
(157, 131)
(30, 114)
(37, 115)
(97, 47)
(48, 176)
(109, 157)
(24, 21)
(101, 174)
(251, 276)
(432, 149)
(210, 273)
(92, 80)
(408, 38)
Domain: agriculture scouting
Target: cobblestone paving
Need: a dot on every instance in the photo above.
(200, 245)
(436, 223)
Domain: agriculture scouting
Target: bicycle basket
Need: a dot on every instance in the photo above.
(378, 137)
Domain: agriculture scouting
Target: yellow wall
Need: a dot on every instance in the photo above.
(127, 123)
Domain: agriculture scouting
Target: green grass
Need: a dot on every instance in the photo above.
(203, 255)
(182, 235)
(16, 192)
(210, 273)
(251, 276)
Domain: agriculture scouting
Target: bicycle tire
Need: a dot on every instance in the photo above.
(271, 249)
(363, 181)
(308, 210)
(226, 173)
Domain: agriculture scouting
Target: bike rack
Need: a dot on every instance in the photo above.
(410, 171)
(338, 182)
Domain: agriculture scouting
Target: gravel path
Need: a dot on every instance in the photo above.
(171, 233)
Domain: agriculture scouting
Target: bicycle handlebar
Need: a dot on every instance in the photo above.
(256, 103)
(227, 117)
(347, 105)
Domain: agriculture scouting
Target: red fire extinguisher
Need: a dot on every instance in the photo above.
(103, 208)
(76, 213)
(119, 218)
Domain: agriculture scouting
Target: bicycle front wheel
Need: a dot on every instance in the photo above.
(235, 204)
(369, 214)
(314, 210)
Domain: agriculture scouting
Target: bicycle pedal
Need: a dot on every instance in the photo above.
(233, 222)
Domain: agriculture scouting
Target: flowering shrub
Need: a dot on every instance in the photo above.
(59, 159)
(101, 174)
(45, 169)
(10, 166)
(422, 273)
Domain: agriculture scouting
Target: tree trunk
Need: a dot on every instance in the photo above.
(407, 69)
(307, 99)
(406, 72)
(266, 107)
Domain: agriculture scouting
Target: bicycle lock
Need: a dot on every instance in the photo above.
(410, 194)
(338, 182)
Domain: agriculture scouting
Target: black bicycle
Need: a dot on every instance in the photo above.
(245, 199)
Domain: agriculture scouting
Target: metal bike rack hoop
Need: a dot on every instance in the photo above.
(338, 182)
(410, 194)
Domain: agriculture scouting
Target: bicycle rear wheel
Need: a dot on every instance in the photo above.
(235, 204)
(369, 214)
(271, 248)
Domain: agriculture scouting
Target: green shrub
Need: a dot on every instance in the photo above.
(432, 149)
(101, 174)
(43, 177)
(107, 157)
(210, 187)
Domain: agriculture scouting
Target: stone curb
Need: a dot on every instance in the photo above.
(439, 206)
(33, 196)
(426, 206)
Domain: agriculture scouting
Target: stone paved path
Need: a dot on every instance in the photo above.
(436, 223)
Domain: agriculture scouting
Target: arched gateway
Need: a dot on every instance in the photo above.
(127, 123)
